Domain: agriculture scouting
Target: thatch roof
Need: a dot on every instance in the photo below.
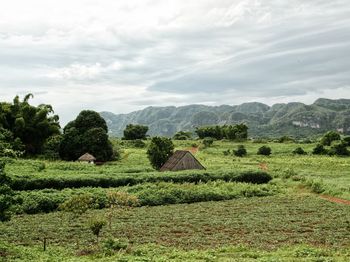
(87, 157)
(181, 160)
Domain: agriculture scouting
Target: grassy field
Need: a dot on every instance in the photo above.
(218, 220)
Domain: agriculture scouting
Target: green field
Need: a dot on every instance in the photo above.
(199, 215)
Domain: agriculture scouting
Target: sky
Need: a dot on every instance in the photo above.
(125, 55)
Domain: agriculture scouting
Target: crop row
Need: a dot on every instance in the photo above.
(149, 194)
(32, 182)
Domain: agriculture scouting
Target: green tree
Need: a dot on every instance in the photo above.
(264, 150)
(182, 135)
(159, 151)
(329, 137)
(31, 125)
(52, 147)
(339, 149)
(299, 151)
(133, 132)
(6, 195)
(96, 225)
(240, 152)
(86, 134)
(319, 150)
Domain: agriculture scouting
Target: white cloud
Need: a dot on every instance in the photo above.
(123, 55)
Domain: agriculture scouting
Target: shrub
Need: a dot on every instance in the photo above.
(299, 151)
(119, 180)
(208, 142)
(227, 152)
(329, 137)
(6, 195)
(78, 204)
(346, 140)
(138, 143)
(159, 151)
(181, 135)
(319, 150)
(133, 132)
(240, 152)
(286, 139)
(339, 149)
(96, 225)
(264, 150)
(111, 245)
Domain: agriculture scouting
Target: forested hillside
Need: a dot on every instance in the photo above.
(294, 119)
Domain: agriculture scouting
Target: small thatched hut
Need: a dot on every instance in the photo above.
(87, 158)
(181, 160)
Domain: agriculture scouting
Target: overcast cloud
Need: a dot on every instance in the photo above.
(125, 55)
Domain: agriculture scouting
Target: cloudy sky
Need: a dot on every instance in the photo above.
(124, 55)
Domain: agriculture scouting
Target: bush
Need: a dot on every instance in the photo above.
(319, 150)
(151, 194)
(329, 137)
(299, 151)
(264, 150)
(227, 152)
(96, 225)
(110, 245)
(286, 139)
(339, 149)
(159, 151)
(119, 180)
(6, 195)
(133, 132)
(181, 135)
(346, 140)
(138, 143)
(240, 152)
(208, 142)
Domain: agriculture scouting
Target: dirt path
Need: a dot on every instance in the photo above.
(336, 200)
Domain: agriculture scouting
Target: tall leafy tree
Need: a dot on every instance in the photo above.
(86, 134)
(159, 151)
(33, 125)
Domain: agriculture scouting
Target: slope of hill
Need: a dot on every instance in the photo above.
(293, 119)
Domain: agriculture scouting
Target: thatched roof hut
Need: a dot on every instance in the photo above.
(87, 158)
(182, 160)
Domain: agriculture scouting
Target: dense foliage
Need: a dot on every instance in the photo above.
(80, 200)
(159, 151)
(182, 135)
(132, 132)
(26, 127)
(231, 132)
(86, 134)
(6, 195)
(330, 137)
(240, 151)
(119, 180)
(264, 150)
(299, 151)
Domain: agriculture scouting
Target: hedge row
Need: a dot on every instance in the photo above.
(48, 200)
(98, 180)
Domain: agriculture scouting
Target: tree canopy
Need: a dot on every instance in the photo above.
(159, 151)
(27, 127)
(133, 132)
(86, 134)
(230, 132)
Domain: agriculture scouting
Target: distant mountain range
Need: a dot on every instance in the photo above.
(292, 119)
